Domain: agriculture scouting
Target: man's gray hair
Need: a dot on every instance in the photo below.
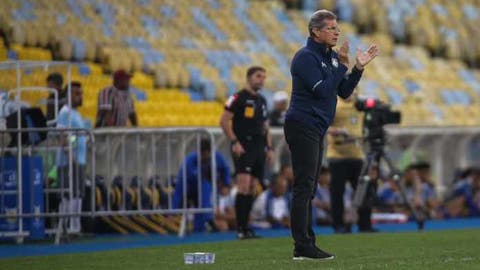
(318, 19)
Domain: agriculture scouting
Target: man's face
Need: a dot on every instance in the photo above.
(122, 84)
(328, 34)
(77, 96)
(281, 105)
(224, 190)
(257, 80)
(409, 175)
(52, 84)
(324, 179)
(424, 174)
(287, 173)
(280, 187)
(393, 184)
(373, 173)
(206, 155)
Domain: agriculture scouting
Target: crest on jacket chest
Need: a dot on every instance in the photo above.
(334, 62)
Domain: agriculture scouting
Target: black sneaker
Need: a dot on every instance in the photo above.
(250, 234)
(312, 254)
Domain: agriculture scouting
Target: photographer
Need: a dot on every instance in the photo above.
(345, 156)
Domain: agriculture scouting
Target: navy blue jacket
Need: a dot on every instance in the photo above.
(317, 78)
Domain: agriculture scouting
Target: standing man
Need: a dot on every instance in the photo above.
(69, 117)
(245, 124)
(319, 74)
(55, 81)
(345, 158)
(115, 103)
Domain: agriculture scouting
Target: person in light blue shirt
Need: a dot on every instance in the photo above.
(71, 118)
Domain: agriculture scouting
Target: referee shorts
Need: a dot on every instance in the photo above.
(253, 160)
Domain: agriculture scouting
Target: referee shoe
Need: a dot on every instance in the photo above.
(313, 254)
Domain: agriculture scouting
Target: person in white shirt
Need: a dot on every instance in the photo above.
(69, 117)
(271, 208)
(225, 212)
(321, 201)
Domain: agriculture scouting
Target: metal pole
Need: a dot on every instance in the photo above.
(463, 150)
(19, 158)
(184, 181)
(93, 173)
(184, 174)
(199, 170)
(438, 164)
(124, 176)
(169, 181)
(154, 161)
(214, 170)
(139, 185)
(70, 144)
(109, 176)
(46, 166)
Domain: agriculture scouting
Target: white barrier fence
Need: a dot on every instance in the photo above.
(135, 167)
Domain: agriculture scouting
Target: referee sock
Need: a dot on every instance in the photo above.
(240, 209)
(248, 208)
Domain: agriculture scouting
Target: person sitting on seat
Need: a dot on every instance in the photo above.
(271, 208)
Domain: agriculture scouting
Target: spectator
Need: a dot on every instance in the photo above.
(271, 208)
(225, 213)
(428, 194)
(465, 198)
(115, 103)
(190, 165)
(389, 197)
(280, 105)
(322, 204)
(55, 81)
(286, 171)
(71, 118)
(413, 188)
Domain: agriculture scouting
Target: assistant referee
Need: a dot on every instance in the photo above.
(245, 123)
(319, 74)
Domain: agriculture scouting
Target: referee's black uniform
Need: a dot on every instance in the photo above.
(248, 123)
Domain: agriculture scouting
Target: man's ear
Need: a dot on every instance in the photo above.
(316, 32)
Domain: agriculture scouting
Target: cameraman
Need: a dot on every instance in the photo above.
(345, 157)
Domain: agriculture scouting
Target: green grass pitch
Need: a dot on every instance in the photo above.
(456, 249)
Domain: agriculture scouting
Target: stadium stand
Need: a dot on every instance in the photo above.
(188, 56)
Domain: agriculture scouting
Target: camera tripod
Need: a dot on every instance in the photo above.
(365, 185)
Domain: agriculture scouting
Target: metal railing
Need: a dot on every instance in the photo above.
(140, 156)
(57, 153)
(128, 160)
